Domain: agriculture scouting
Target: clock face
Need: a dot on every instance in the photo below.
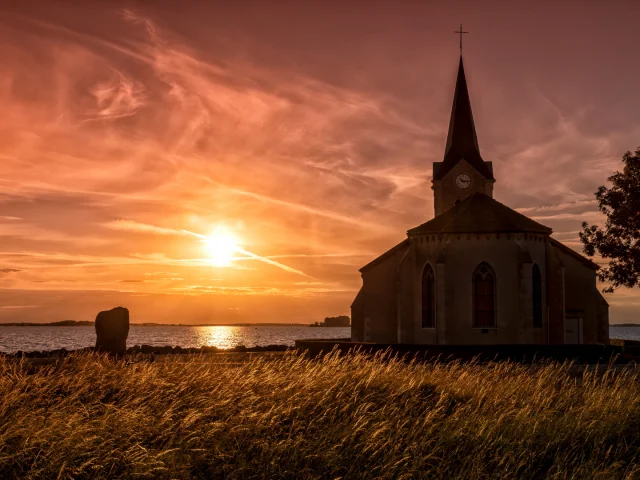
(463, 180)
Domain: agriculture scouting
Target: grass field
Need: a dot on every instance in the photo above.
(290, 417)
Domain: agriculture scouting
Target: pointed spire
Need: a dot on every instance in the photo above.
(462, 131)
(462, 141)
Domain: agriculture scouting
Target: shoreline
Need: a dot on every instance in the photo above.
(87, 323)
(150, 350)
(178, 350)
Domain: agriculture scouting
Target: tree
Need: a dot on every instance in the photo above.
(619, 240)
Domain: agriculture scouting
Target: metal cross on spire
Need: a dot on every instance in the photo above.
(460, 32)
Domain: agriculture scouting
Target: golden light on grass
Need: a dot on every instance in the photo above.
(287, 416)
(221, 245)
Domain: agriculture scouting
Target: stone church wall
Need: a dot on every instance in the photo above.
(427, 250)
(357, 317)
(405, 296)
(456, 257)
(378, 306)
(582, 297)
(603, 320)
(555, 294)
(532, 253)
(388, 308)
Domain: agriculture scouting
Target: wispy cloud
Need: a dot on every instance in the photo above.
(118, 139)
(570, 216)
(117, 98)
(8, 270)
(560, 206)
(133, 226)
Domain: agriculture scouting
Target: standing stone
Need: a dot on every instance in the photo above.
(112, 329)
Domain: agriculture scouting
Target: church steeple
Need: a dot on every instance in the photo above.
(462, 131)
(462, 141)
(463, 172)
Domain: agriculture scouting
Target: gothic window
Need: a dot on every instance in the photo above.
(537, 297)
(484, 297)
(428, 298)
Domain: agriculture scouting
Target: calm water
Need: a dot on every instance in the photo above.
(626, 333)
(28, 339)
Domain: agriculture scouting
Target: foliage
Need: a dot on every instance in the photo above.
(340, 321)
(292, 417)
(619, 241)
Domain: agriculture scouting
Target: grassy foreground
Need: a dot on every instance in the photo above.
(296, 418)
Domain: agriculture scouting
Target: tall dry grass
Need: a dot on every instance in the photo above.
(292, 417)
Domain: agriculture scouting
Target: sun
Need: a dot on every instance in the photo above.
(221, 245)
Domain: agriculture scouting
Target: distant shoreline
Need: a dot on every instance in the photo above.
(88, 323)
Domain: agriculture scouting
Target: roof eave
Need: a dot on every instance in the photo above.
(386, 254)
(414, 233)
(584, 260)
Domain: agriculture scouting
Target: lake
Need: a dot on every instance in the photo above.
(626, 333)
(29, 339)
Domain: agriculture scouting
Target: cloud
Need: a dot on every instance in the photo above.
(560, 206)
(304, 208)
(133, 226)
(190, 118)
(582, 216)
(117, 98)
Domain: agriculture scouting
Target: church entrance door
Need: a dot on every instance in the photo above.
(573, 330)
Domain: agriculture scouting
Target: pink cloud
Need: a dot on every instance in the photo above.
(312, 139)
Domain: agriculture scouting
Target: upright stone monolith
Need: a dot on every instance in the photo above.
(112, 329)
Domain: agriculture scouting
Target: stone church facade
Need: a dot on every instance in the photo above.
(478, 272)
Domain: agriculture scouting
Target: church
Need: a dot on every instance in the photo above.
(478, 273)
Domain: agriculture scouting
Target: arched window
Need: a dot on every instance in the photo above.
(428, 298)
(484, 297)
(537, 296)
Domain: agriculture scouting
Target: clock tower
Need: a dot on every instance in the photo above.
(463, 171)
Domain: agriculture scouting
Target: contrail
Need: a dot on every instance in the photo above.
(257, 257)
(192, 233)
(304, 208)
(272, 262)
(144, 227)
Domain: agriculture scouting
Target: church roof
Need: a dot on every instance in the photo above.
(479, 213)
(462, 141)
(584, 260)
(403, 244)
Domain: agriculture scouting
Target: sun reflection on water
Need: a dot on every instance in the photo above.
(40, 338)
(219, 336)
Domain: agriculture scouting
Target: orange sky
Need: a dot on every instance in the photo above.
(306, 128)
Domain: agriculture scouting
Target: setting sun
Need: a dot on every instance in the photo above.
(221, 245)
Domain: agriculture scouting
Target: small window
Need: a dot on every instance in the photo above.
(428, 298)
(484, 297)
(537, 296)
